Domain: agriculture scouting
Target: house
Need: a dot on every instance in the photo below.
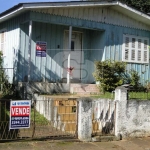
(57, 41)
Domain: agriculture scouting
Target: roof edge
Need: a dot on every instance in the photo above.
(17, 9)
(11, 9)
(134, 10)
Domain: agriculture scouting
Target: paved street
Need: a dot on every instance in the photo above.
(132, 144)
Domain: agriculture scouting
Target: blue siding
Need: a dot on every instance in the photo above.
(12, 45)
(100, 42)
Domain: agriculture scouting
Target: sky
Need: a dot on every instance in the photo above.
(6, 4)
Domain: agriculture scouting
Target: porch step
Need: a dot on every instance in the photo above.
(84, 89)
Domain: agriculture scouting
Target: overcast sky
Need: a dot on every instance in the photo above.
(6, 4)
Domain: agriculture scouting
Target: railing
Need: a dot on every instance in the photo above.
(138, 93)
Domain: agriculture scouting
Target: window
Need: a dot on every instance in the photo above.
(2, 40)
(135, 49)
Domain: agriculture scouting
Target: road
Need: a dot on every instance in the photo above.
(130, 144)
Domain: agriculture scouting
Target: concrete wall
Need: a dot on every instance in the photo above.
(44, 106)
(103, 116)
(125, 118)
(121, 117)
(132, 116)
(85, 119)
(58, 111)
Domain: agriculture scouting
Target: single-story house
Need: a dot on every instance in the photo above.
(43, 41)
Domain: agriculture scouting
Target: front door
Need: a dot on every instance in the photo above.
(75, 53)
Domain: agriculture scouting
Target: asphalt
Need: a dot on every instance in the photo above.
(130, 144)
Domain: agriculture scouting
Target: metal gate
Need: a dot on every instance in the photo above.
(52, 119)
(103, 119)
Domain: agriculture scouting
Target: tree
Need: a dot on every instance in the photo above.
(5, 87)
(141, 5)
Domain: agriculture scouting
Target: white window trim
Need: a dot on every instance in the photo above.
(5, 31)
(142, 61)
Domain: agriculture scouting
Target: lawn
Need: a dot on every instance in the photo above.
(131, 95)
(106, 95)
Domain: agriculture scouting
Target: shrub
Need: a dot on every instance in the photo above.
(109, 74)
(134, 79)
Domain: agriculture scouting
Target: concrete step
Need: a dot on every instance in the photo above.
(84, 89)
(106, 138)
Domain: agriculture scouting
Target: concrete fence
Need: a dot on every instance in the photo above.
(124, 118)
(132, 116)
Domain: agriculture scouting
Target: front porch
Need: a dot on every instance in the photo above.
(86, 46)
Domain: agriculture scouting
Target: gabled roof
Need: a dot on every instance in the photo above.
(116, 5)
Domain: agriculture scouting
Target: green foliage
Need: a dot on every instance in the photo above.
(141, 5)
(38, 118)
(106, 95)
(139, 95)
(110, 74)
(113, 74)
(134, 78)
(5, 86)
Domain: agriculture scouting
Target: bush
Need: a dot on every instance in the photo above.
(109, 74)
(112, 74)
(135, 79)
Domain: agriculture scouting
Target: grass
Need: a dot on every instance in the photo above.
(106, 95)
(131, 95)
(139, 95)
(39, 119)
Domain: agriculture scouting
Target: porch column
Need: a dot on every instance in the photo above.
(69, 55)
(29, 49)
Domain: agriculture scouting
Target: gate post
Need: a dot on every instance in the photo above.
(121, 105)
(85, 119)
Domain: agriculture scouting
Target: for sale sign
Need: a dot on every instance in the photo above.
(20, 114)
(41, 49)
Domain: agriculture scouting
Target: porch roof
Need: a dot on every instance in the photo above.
(116, 5)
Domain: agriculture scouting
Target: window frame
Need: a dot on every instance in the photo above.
(135, 52)
(4, 43)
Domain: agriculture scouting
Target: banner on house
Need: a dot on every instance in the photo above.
(41, 49)
(20, 111)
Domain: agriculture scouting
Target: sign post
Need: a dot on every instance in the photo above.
(20, 114)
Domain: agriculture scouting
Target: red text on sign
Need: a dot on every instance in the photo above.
(40, 47)
(20, 111)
